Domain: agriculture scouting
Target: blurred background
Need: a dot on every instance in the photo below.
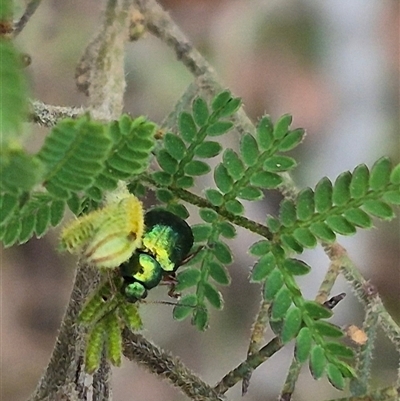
(332, 65)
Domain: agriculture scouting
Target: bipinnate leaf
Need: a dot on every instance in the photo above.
(264, 133)
(187, 278)
(208, 149)
(196, 168)
(327, 329)
(260, 248)
(201, 318)
(291, 140)
(187, 127)
(222, 179)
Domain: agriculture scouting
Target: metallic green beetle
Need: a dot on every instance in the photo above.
(166, 243)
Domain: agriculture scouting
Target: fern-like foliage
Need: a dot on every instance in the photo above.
(82, 159)
(78, 162)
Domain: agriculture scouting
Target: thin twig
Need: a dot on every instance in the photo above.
(29, 11)
(137, 348)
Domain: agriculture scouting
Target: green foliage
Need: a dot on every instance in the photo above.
(82, 159)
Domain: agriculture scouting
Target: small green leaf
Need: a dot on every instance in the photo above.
(327, 329)
(164, 195)
(339, 350)
(230, 107)
(317, 362)
(250, 193)
(57, 210)
(305, 238)
(8, 204)
(335, 376)
(42, 220)
(358, 217)
(200, 319)
(264, 266)
(167, 162)
(264, 179)
(227, 229)
(178, 209)
(161, 177)
(219, 128)
(174, 146)
(323, 232)
(222, 252)
(273, 284)
(113, 339)
(305, 204)
(200, 111)
(291, 140)
(213, 295)
(208, 215)
(282, 302)
(264, 133)
(278, 164)
(380, 174)
(27, 227)
(317, 311)
(347, 371)
(287, 213)
(234, 206)
(296, 267)
(340, 225)
(281, 127)
(359, 181)
(185, 182)
(215, 197)
(378, 209)
(292, 324)
(260, 248)
(341, 189)
(208, 149)
(187, 278)
(222, 179)
(392, 197)
(185, 307)
(219, 273)
(12, 232)
(249, 150)
(395, 175)
(303, 344)
(197, 167)
(290, 242)
(273, 224)
(220, 100)
(233, 164)
(201, 232)
(187, 127)
(323, 195)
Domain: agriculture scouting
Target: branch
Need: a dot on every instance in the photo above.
(160, 363)
(29, 11)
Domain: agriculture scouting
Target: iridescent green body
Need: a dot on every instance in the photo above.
(166, 243)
